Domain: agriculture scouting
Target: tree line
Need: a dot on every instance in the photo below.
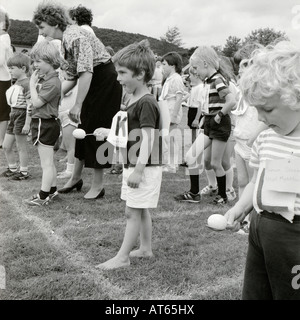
(25, 33)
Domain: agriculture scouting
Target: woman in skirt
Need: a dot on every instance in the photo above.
(99, 93)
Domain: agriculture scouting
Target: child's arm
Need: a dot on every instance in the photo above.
(261, 127)
(228, 105)
(84, 82)
(66, 86)
(101, 133)
(145, 152)
(26, 128)
(243, 206)
(197, 117)
(177, 107)
(36, 101)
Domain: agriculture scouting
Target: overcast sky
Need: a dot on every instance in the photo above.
(206, 22)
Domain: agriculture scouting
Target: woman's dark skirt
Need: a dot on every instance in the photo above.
(4, 107)
(99, 107)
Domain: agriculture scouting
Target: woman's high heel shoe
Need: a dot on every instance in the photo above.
(77, 185)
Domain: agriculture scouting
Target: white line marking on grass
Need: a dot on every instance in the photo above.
(61, 244)
(2, 278)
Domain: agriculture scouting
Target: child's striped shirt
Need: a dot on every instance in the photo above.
(271, 146)
(217, 92)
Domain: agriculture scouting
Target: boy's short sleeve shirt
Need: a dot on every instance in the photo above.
(217, 93)
(49, 91)
(144, 113)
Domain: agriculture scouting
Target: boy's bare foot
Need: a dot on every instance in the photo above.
(113, 263)
(141, 254)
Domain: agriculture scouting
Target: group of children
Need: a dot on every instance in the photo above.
(34, 107)
(269, 82)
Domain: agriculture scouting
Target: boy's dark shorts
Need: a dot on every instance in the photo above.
(45, 131)
(217, 131)
(16, 121)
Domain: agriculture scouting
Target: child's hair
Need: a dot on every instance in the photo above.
(173, 59)
(137, 57)
(81, 15)
(225, 71)
(245, 52)
(273, 70)
(110, 50)
(52, 14)
(19, 60)
(207, 54)
(47, 51)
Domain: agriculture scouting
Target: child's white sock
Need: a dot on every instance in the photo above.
(13, 167)
(211, 177)
(229, 178)
(24, 170)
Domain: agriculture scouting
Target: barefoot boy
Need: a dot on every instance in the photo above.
(142, 172)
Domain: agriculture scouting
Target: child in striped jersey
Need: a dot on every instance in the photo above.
(217, 124)
(19, 124)
(271, 84)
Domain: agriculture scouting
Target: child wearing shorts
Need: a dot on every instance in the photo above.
(217, 124)
(142, 173)
(19, 124)
(45, 89)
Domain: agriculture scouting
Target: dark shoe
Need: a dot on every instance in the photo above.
(219, 200)
(8, 173)
(188, 197)
(53, 195)
(37, 201)
(19, 176)
(100, 195)
(77, 185)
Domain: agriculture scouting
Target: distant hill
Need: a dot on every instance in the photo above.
(25, 33)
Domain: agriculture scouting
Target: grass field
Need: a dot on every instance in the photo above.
(51, 252)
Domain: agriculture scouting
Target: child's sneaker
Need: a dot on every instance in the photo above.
(209, 191)
(231, 195)
(188, 197)
(219, 200)
(52, 196)
(8, 173)
(19, 176)
(37, 201)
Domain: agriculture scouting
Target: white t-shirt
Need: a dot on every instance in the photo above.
(196, 96)
(5, 53)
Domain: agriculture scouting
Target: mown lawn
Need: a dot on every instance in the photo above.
(51, 252)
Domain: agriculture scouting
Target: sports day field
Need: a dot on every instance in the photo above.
(51, 252)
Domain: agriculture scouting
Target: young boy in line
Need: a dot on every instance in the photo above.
(173, 91)
(142, 173)
(19, 124)
(45, 89)
(194, 102)
(217, 124)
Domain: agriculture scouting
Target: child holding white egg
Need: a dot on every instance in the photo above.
(271, 83)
